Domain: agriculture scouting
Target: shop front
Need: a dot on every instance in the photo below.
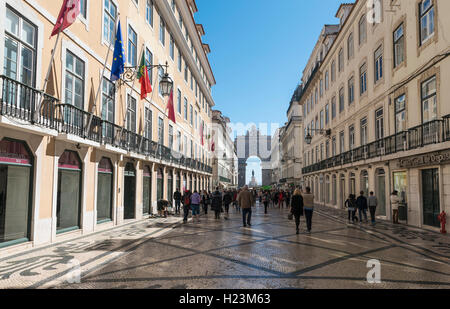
(147, 191)
(105, 191)
(16, 170)
(129, 200)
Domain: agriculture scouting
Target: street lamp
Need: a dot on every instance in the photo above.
(308, 137)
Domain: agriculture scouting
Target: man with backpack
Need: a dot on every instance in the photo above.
(216, 203)
(361, 202)
(186, 205)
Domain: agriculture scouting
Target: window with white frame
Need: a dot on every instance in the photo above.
(172, 47)
(149, 12)
(400, 113)
(341, 100)
(20, 48)
(148, 126)
(399, 46)
(351, 137)
(378, 64)
(351, 91)
(363, 79)
(108, 94)
(379, 124)
(83, 8)
(350, 47)
(362, 27)
(185, 109)
(170, 136)
(161, 131)
(162, 31)
(179, 101)
(132, 46)
(363, 131)
(109, 20)
(426, 9)
(149, 62)
(429, 100)
(75, 79)
(131, 114)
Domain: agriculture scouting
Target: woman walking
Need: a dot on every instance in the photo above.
(395, 200)
(308, 204)
(297, 208)
(195, 206)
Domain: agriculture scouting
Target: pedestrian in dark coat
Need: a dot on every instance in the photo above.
(216, 203)
(361, 203)
(297, 208)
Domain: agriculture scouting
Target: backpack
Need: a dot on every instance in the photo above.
(187, 200)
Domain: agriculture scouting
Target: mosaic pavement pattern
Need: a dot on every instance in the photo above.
(223, 254)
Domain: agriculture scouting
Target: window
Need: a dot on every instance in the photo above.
(148, 129)
(333, 108)
(196, 119)
(191, 114)
(83, 8)
(132, 47)
(378, 64)
(399, 46)
(351, 91)
(109, 21)
(179, 101)
(327, 114)
(172, 47)
(333, 146)
(185, 146)
(180, 61)
(342, 141)
(180, 20)
(400, 114)
(20, 49)
(341, 60)
(341, 100)
(173, 6)
(363, 78)
(74, 87)
(379, 124)
(160, 77)
(185, 109)
(180, 148)
(327, 84)
(429, 100)
(327, 149)
(321, 119)
(321, 88)
(131, 114)
(362, 30)
(350, 49)
(186, 72)
(108, 92)
(149, 61)
(149, 12)
(316, 97)
(426, 9)
(161, 131)
(333, 71)
(170, 136)
(363, 131)
(162, 31)
(351, 137)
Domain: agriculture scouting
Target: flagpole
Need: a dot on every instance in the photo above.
(47, 76)
(101, 77)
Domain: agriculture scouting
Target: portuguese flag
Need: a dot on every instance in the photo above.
(142, 75)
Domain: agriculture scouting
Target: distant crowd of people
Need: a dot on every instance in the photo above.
(301, 203)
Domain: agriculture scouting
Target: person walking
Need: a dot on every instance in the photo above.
(308, 205)
(288, 198)
(395, 201)
(350, 204)
(227, 199)
(216, 203)
(297, 208)
(372, 202)
(186, 200)
(206, 201)
(361, 203)
(177, 199)
(265, 199)
(245, 200)
(280, 199)
(195, 206)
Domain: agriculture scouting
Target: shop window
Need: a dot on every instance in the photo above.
(147, 192)
(104, 191)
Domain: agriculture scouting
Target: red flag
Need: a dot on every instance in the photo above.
(171, 108)
(146, 87)
(201, 135)
(213, 147)
(67, 16)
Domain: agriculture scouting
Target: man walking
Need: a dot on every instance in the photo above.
(195, 206)
(395, 201)
(361, 202)
(216, 203)
(245, 200)
(177, 199)
(186, 205)
(308, 206)
(373, 203)
(227, 199)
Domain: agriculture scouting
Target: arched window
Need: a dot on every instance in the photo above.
(362, 30)
(68, 209)
(104, 190)
(16, 166)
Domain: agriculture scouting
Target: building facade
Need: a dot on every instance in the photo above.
(377, 82)
(224, 156)
(85, 154)
(275, 160)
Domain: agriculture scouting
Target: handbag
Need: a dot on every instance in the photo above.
(290, 216)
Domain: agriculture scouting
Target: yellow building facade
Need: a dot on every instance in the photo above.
(374, 101)
(71, 164)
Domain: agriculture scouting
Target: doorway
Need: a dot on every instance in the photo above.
(130, 192)
(430, 192)
(381, 192)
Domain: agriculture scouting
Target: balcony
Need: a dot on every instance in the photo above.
(433, 132)
(21, 102)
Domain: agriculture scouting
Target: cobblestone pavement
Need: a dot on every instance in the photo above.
(223, 254)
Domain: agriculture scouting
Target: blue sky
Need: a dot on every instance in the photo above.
(258, 51)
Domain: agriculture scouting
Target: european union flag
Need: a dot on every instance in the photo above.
(119, 56)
